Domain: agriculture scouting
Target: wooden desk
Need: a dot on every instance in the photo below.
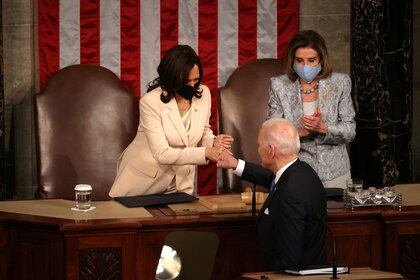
(355, 274)
(129, 248)
(42, 247)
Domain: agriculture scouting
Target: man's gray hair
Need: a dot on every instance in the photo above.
(283, 135)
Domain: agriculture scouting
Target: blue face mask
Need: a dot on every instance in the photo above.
(306, 72)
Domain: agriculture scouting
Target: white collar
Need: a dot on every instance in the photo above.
(281, 171)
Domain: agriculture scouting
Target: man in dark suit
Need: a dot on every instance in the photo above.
(290, 228)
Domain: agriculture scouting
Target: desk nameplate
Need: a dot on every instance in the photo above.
(226, 203)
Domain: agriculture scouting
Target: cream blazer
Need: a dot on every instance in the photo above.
(163, 149)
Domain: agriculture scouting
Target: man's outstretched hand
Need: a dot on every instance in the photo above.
(227, 160)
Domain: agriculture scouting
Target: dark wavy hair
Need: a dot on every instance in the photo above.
(312, 39)
(173, 71)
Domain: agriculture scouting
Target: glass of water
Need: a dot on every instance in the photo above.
(354, 186)
(358, 185)
(83, 196)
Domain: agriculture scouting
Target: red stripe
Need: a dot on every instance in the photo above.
(48, 39)
(207, 50)
(130, 45)
(168, 25)
(89, 31)
(247, 33)
(287, 24)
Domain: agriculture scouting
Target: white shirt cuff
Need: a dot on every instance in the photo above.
(239, 168)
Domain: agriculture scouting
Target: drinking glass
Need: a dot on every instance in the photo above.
(362, 196)
(354, 186)
(358, 185)
(389, 194)
(377, 196)
(83, 196)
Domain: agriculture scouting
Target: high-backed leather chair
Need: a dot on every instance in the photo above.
(85, 117)
(242, 110)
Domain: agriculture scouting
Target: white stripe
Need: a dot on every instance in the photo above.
(267, 29)
(69, 32)
(110, 35)
(227, 38)
(150, 41)
(188, 23)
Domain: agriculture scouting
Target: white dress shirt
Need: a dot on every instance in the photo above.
(241, 166)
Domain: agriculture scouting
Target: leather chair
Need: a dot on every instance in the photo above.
(243, 108)
(85, 117)
(197, 252)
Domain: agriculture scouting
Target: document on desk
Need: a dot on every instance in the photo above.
(155, 199)
(318, 270)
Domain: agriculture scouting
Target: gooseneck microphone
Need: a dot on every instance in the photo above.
(322, 220)
(253, 201)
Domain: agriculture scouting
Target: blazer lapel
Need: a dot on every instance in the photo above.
(194, 117)
(177, 121)
(276, 189)
(295, 101)
(267, 202)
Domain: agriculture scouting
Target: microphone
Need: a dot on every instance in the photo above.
(253, 201)
(334, 260)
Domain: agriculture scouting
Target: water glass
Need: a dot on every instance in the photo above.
(389, 194)
(358, 185)
(354, 186)
(377, 196)
(362, 196)
(83, 196)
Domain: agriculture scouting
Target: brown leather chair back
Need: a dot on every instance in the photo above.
(85, 117)
(243, 108)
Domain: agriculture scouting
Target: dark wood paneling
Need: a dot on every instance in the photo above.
(358, 243)
(238, 251)
(51, 248)
(409, 256)
(34, 254)
(100, 263)
(98, 251)
(403, 247)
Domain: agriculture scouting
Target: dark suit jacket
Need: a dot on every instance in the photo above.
(292, 234)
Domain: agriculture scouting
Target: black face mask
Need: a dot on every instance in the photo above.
(188, 91)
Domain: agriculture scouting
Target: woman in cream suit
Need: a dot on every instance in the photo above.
(318, 102)
(174, 134)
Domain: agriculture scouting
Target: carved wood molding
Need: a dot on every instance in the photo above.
(100, 263)
(410, 256)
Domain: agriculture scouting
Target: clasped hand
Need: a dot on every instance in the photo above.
(222, 143)
(314, 123)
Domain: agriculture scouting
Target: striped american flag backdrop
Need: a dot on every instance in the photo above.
(130, 36)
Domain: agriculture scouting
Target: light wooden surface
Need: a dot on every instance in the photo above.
(60, 208)
(226, 203)
(410, 194)
(222, 202)
(355, 274)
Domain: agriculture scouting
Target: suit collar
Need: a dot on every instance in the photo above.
(276, 189)
(284, 168)
(176, 120)
(194, 116)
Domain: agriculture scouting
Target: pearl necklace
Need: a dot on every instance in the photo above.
(311, 90)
